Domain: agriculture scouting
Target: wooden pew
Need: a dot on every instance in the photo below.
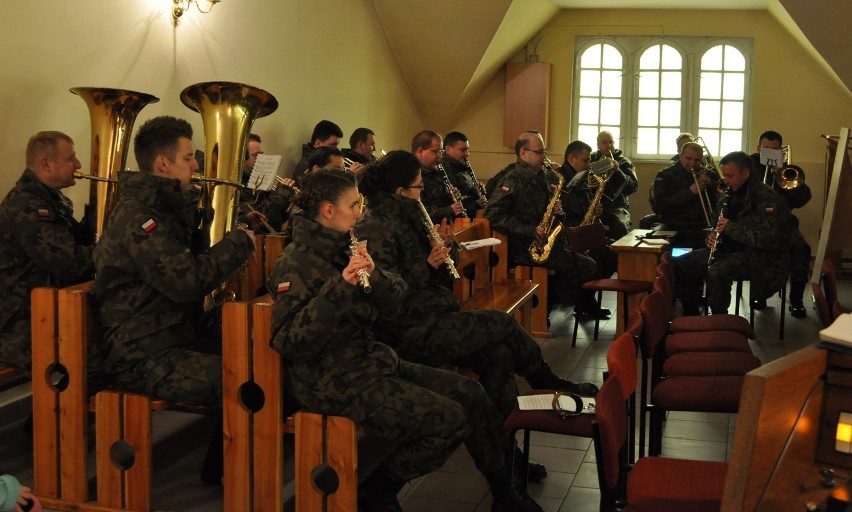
(524, 274)
(481, 288)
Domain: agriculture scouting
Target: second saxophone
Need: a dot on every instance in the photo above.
(430, 226)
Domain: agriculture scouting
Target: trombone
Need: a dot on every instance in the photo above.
(707, 163)
(788, 177)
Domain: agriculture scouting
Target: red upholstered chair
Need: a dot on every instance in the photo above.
(657, 484)
(582, 239)
(821, 305)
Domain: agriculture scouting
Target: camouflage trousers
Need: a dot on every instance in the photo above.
(491, 343)
(692, 269)
(16, 344)
(428, 412)
(178, 374)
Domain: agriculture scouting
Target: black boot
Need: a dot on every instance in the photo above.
(508, 495)
(797, 306)
(535, 472)
(546, 379)
(589, 306)
(378, 493)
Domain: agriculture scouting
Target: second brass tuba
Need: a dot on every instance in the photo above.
(112, 112)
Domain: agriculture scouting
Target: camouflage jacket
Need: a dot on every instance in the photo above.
(397, 240)
(148, 281)
(41, 244)
(355, 156)
(302, 164)
(462, 178)
(795, 197)
(435, 196)
(494, 182)
(621, 183)
(322, 325)
(575, 200)
(678, 208)
(518, 205)
(758, 224)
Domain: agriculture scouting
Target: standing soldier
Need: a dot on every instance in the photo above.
(41, 244)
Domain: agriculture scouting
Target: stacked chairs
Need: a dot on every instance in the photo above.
(582, 239)
(656, 484)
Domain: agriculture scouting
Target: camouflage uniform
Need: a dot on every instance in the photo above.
(148, 289)
(302, 164)
(800, 251)
(323, 325)
(616, 205)
(41, 244)
(754, 245)
(462, 178)
(679, 209)
(435, 196)
(494, 182)
(516, 208)
(429, 328)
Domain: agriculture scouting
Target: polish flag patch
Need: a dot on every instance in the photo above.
(504, 189)
(149, 225)
(770, 210)
(283, 287)
(42, 212)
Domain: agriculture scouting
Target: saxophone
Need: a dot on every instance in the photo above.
(601, 177)
(540, 251)
(430, 226)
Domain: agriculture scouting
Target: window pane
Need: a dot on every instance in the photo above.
(668, 140)
(649, 84)
(646, 142)
(650, 58)
(588, 113)
(732, 114)
(611, 57)
(712, 60)
(732, 140)
(590, 83)
(670, 113)
(734, 88)
(671, 58)
(588, 133)
(711, 86)
(611, 84)
(670, 84)
(591, 57)
(708, 114)
(611, 111)
(734, 59)
(711, 140)
(648, 112)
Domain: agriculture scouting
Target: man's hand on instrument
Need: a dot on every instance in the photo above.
(437, 256)
(540, 234)
(457, 209)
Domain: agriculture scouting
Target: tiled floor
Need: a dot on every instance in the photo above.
(457, 487)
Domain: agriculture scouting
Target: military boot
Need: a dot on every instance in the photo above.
(378, 493)
(508, 495)
(546, 379)
(535, 471)
(797, 306)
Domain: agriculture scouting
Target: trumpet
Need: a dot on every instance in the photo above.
(280, 181)
(81, 175)
(723, 206)
(200, 178)
(363, 275)
(454, 192)
(430, 226)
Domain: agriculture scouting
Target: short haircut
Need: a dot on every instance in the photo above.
(324, 130)
(681, 137)
(253, 137)
(359, 135)
(423, 140)
(321, 156)
(691, 145)
(396, 169)
(576, 147)
(44, 144)
(523, 141)
(325, 185)
(740, 160)
(770, 135)
(159, 136)
(453, 137)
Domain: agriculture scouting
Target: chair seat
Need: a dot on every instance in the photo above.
(548, 421)
(700, 394)
(628, 286)
(707, 341)
(708, 364)
(726, 322)
(663, 484)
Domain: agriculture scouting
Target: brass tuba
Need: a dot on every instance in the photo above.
(540, 251)
(112, 112)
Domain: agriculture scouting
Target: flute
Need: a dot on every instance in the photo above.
(430, 226)
(363, 275)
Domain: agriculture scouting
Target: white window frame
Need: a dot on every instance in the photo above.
(631, 48)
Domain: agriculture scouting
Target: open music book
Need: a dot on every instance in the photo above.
(545, 403)
(263, 174)
(839, 332)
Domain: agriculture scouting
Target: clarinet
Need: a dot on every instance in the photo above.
(430, 226)
(363, 275)
(454, 192)
(724, 205)
(480, 189)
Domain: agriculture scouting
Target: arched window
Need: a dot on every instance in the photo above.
(601, 71)
(660, 100)
(722, 95)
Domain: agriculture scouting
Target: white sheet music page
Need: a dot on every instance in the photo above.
(840, 331)
(771, 157)
(264, 172)
(545, 403)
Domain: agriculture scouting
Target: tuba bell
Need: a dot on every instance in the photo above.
(112, 113)
(790, 176)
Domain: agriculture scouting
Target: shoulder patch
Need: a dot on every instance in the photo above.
(149, 225)
(43, 212)
(770, 210)
(283, 287)
(504, 189)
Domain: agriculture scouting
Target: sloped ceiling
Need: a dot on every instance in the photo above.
(449, 53)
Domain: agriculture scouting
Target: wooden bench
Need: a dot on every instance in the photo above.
(524, 274)
(481, 288)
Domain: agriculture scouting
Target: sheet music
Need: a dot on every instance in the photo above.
(545, 403)
(771, 157)
(264, 172)
(475, 244)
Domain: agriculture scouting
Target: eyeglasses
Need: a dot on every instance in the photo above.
(537, 151)
(420, 186)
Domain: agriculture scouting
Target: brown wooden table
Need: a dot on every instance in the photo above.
(637, 260)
